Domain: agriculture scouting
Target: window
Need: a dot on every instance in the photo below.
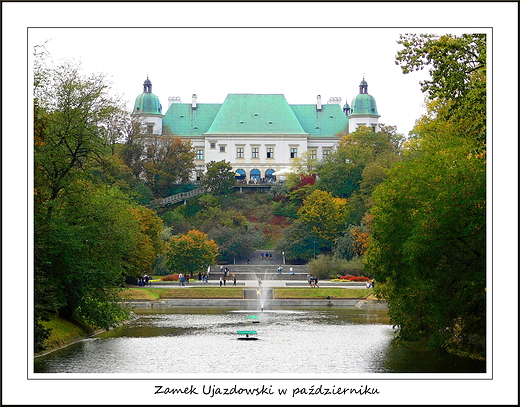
(200, 155)
(326, 153)
(212, 145)
(254, 152)
(222, 149)
(270, 152)
(312, 154)
(254, 174)
(149, 128)
(240, 152)
(294, 152)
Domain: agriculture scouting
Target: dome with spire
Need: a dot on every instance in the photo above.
(363, 104)
(147, 103)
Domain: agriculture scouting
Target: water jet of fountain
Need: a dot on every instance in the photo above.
(263, 289)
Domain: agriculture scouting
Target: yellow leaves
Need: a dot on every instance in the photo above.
(361, 240)
(324, 213)
(191, 251)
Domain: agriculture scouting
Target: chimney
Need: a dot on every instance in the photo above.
(318, 102)
(173, 99)
(194, 101)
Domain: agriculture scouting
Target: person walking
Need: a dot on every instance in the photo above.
(291, 270)
(234, 280)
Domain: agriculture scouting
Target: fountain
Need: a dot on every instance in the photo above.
(263, 291)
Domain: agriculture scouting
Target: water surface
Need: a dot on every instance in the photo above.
(205, 341)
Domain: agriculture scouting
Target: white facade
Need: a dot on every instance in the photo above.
(259, 135)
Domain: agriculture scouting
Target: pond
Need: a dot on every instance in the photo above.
(309, 341)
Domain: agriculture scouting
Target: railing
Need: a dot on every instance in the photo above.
(176, 198)
(173, 199)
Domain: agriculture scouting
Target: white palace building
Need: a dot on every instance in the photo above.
(258, 134)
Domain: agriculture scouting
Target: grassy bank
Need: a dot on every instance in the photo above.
(153, 294)
(63, 333)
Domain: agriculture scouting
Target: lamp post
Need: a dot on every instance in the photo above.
(315, 249)
(283, 257)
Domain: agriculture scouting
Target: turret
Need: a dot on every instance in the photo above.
(148, 109)
(363, 110)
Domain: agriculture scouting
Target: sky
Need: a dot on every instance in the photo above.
(300, 63)
(301, 49)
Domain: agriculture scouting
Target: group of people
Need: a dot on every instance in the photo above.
(223, 278)
(203, 277)
(144, 280)
(266, 256)
(183, 279)
(313, 281)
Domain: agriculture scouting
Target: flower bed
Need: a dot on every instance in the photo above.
(357, 279)
(170, 277)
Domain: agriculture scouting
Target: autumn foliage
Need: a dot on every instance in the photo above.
(191, 252)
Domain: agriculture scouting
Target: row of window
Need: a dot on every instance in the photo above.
(255, 174)
(255, 152)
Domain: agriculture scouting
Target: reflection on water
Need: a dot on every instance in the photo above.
(200, 340)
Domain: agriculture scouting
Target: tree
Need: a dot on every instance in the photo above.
(191, 253)
(219, 177)
(428, 243)
(169, 161)
(298, 243)
(133, 150)
(87, 230)
(361, 156)
(304, 164)
(354, 242)
(428, 246)
(84, 249)
(70, 110)
(235, 242)
(324, 214)
(458, 74)
(147, 243)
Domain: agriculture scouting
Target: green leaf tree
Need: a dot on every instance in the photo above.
(87, 230)
(428, 243)
(169, 162)
(219, 177)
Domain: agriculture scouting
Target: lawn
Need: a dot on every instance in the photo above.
(144, 293)
(312, 293)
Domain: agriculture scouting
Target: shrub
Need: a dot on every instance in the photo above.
(354, 266)
(326, 266)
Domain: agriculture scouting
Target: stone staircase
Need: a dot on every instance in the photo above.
(268, 271)
(263, 267)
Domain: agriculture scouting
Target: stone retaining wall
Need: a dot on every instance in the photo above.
(253, 304)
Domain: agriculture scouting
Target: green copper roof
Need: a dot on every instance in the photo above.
(363, 104)
(255, 114)
(147, 103)
(182, 120)
(327, 122)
